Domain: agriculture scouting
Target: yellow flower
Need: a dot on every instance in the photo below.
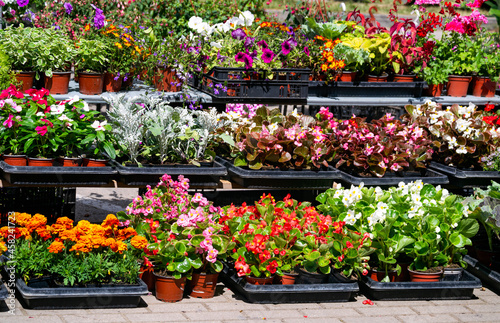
(117, 44)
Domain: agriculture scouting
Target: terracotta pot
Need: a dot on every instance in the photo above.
(146, 274)
(379, 275)
(376, 78)
(259, 280)
(484, 87)
(40, 162)
(58, 83)
(167, 80)
(27, 80)
(90, 162)
(434, 90)
(203, 285)
(286, 279)
(169, 289)
(69, 162)
(15, 160)
(348, 76)
(418, 276)
(458, 85)
(112, 85)
(484, 255)
(91, 83)
(404, 78)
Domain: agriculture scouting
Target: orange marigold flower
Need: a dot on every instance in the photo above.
(117, 44)
(126, 233)
(44, 232)
(333, 65)
(3, 247)
(80, 247)
(22, 218)
(341, 64)
(329, 59)
(70, 235)
(4, 232)
(139, 242)
(83, 226)
(56, 246)
(87, 27)
(110, 221)
(121, 247)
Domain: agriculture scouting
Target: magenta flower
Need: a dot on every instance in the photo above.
(292, 42)
(262, 44)
(68, 7)
(239, 57)
(306, 50)
(286, 47)
(248, 61)
(238, 34)
(9, 122)
(41, 130)
(22, 3)
(267, 56)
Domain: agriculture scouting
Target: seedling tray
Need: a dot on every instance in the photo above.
(461, 178)
(287, 179)
(199, 177)
(420, 291)
(489, 277)
(80, 297)
(366, 89)
(279, 294)
(393, 179)
(57, 175)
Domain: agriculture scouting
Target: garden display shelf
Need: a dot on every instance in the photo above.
(463, 178)
(287, 179)
(279, 294)
(391, 179)
(287, 85)
(57, 175)
(408, 291)
(116, 296)
(490, 278)
(199, 177)
(366, 89)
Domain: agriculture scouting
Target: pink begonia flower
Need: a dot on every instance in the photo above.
(9, 122)
(208, 232)
(41, 130)
(206, 244)
(212, 255)
(395, 167)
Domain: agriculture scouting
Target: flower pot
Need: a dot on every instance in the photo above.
(91, 83)
(40, 162)
(377, 78)
(69, 162)
(203, 285)
(91, 162)
(288, 278)
(169, 289)
(434, 90)
(404, 78)
(15, 160)
(484, 255)
(26, 78)
(127, 84)
(484, 87)
(111, 84)
(306, 277)
(348, 76)
(58, 83)
(146, 274)
(451, 274)
(167, 81)
(259, 280)
(458, 85)
(420, 276)
(379, 275)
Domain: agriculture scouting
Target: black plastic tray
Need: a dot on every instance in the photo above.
(80, 297)
(460, 178)
(420, 291)
(278, 294)
(391, 179)
(366, 89)
(289, 179)
(489, 277)
(57, 175)
(199, 177)
(3, 291)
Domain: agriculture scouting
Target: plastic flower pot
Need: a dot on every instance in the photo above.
(169, 289)
(15, 160)
(306, 277)
(379, 275)
(40, 162)
(377, 78)
(91, 83)
(348, 76)
(287, 279)
(452, 274)
(404, 78)
(146, 274)
(203, 285)
(484, 87)
(69, 162)
(58, 83)
(112, 83)
(26, 78)
(434, 90)
(458, 85)
(420, 276)
(91, 162)
(259, 280)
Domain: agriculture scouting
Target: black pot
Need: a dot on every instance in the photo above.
(495, 263)
(306, 277)
(337, 277)
(452, 274)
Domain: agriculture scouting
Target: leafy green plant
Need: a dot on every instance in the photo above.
(91, 56)
(7, 77)
(22, 45)
(58, 52)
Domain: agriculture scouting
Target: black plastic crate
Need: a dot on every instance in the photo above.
(463, 178)
(279, 294)
(366, 89)
(3, 291)
(420, 291)
(490, 278)
(223, 197)
(286, 86)
(118, 296)
(286, 179)
(393, 179)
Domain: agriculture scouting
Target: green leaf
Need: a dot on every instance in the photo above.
(182, 266)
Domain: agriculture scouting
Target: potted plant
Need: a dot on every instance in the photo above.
(7, 76)
(437, 70)
(486, 64)
(90, 64)
(378, 46)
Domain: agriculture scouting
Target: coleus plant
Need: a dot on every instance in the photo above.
(403, 51)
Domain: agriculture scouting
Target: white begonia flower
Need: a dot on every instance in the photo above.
(462, 125)
(99, 126)
(247, 18)
(194, 22)
(452, 142)
(294, 113)
(273, 127)
(461, 150)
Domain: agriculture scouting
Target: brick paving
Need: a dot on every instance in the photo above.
(226, 308)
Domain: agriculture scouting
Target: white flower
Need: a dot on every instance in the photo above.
(194, 22)
(234, 22)
(99, 126)
(215, 44)
(40, 114)
(247, 18)
(438, 236)
(390, 249)
(461, 150)
(73, 99)
(438, 229)
(85, 106)
(56, 109)
(204, 29)
(462, 125)
(273, 127)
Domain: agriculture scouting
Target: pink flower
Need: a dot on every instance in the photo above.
(41, 130)
(212, 255)
(395, 167)
(208, 232)
(267, 56)
(286, 47)
(206, 244)
(9, 122)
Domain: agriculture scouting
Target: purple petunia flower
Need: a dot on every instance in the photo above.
(267, 56)
(248, 61)
(238, 34)
(253, 55)
(98, 18)
(249, 41)
(2, 3)
(292, 42)
(262, 44)
(22, 3)
(239, 57)
(286, 47)
(68, 7)
(306, 50)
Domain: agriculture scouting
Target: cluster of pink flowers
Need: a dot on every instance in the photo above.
(243, 109)
(476, 3)
(466, 24)
(422, 2)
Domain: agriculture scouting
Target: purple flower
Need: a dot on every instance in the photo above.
(2, 3)
(29, 16)
(286, 47)
(290, 31)
(239, 57)
(98, 18)
(248, 61)
(306, 50)
(292, 42)
(253, 55)
(22, 3)
(262, 44)
(249, 41)
(68, 7)
(267, 56)
(238, 34)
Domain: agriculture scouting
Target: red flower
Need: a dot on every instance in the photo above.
(242, 267)
(349, 244)
(273, 265)
(489, 107)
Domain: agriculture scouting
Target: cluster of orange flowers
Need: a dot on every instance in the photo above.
(123, 38)
(328, 58)
(82, 238)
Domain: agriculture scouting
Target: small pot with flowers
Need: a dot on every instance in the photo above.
(181, 238)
